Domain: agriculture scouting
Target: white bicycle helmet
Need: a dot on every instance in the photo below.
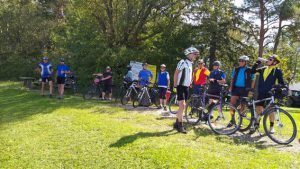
(190, 50)
(244, 57)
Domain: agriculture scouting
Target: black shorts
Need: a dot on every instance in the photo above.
(213, 92)
(60, 80)
(107, 88)
(260, 97)
(239, 91)
(45, 79)
(162, 92)
(182, 93)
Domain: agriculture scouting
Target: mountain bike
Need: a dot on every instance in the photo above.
(284, 124)
(95, 89)
(146, 96)
(129, 92)
(71, 83)
(216, 114)
(173, 103)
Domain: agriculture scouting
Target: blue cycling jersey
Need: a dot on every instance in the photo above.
(241, 80)
(45, 69)
(61, 68)
(144, 76)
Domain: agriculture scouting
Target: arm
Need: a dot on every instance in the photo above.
(280, 77)
(168, 77)
(176, 77)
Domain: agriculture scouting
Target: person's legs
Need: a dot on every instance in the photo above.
(182, 95)
(42, 88)
(110, 92)
(51, 86)
(160, 93)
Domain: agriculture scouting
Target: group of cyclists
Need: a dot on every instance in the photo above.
(186, 77)
(46, 69)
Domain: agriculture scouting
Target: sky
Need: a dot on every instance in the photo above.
(238, 2)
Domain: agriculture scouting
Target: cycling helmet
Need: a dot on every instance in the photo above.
(275, 57)
(244, 57)
(128, 66)
(163, 65)
(217, 63)
(62, 59)
(45, 58)
(190, 50)
(108, 68)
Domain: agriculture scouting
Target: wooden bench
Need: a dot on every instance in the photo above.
(27, 81)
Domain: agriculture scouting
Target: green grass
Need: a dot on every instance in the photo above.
(37, 132)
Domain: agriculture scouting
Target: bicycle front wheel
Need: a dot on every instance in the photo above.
(246, 115)
(90, 92)
(192, 113)
(224, 119)
(284, 130)
(173, 104)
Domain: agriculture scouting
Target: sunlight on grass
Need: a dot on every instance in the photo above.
(37, 132)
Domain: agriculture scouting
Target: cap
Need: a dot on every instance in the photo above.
(163, 65)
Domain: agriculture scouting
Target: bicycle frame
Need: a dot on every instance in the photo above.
(130, 89)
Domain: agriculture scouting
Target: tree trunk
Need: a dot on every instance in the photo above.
(262, 28)
(278, 35)
(212, 52)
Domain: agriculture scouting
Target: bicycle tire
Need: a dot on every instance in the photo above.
(173, 103)
(279, 125)
(247, 117)
(214, 119)
(90, 92)
(135, 101)
(192, 114)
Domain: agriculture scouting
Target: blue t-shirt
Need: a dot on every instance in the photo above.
(129, 75)
(240, 80)
(162, 79)
(61, 68)
(45, 69)
(216, 75)
(144, 76)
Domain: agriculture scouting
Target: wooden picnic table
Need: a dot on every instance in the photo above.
(27, 81)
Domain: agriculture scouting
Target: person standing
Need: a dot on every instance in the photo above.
(129, 75)
(216, 79)
(46, 74)
(241, 82)
(200, 75)
(268, 76)
(163, 83)
(107, 79)
(182, 81)
(145, 75)
(62, 71)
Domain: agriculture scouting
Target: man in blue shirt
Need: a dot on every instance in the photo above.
(62, 71)
(145, 75)
(216, 78)
(46, 74)
(163, 82)
(241, 82)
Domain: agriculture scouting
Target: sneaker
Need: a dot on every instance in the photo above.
(109, 99)
(272, 130)
(181, 129)
(231, 123)
(159, 107)
(165, 108)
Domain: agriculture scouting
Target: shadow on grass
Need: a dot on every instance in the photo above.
(140, 135)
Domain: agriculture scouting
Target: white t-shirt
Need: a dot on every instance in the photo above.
(186, 71)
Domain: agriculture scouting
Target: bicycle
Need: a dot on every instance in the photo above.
(282, 119)
(216, 114)
(173, 104)
(146, 95)
(71, 83)
(130, 92)
(94, 89)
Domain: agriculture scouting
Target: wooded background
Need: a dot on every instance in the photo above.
(92, 34)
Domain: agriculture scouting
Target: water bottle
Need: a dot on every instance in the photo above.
(262, 60)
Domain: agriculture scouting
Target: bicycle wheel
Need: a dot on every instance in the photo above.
(125, 96)
(136, 100)
(155, 98)
(222, 121)
(173, 104)
(192, 114)
(285, 129)
(246, 115)
(90, 92)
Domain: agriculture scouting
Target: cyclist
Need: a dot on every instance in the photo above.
(216, 78)
(62, 71)
(46, 74)
(107, 81)
(163, 82)
(145, 75)
(267, 78)
(182, 81)
(129, 75)
(200, 75)
(241, 82)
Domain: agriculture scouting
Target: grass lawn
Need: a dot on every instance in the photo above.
(37, 132)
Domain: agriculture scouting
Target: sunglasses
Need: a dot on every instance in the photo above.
(240, 60)
(200, 63)
(270, 59)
